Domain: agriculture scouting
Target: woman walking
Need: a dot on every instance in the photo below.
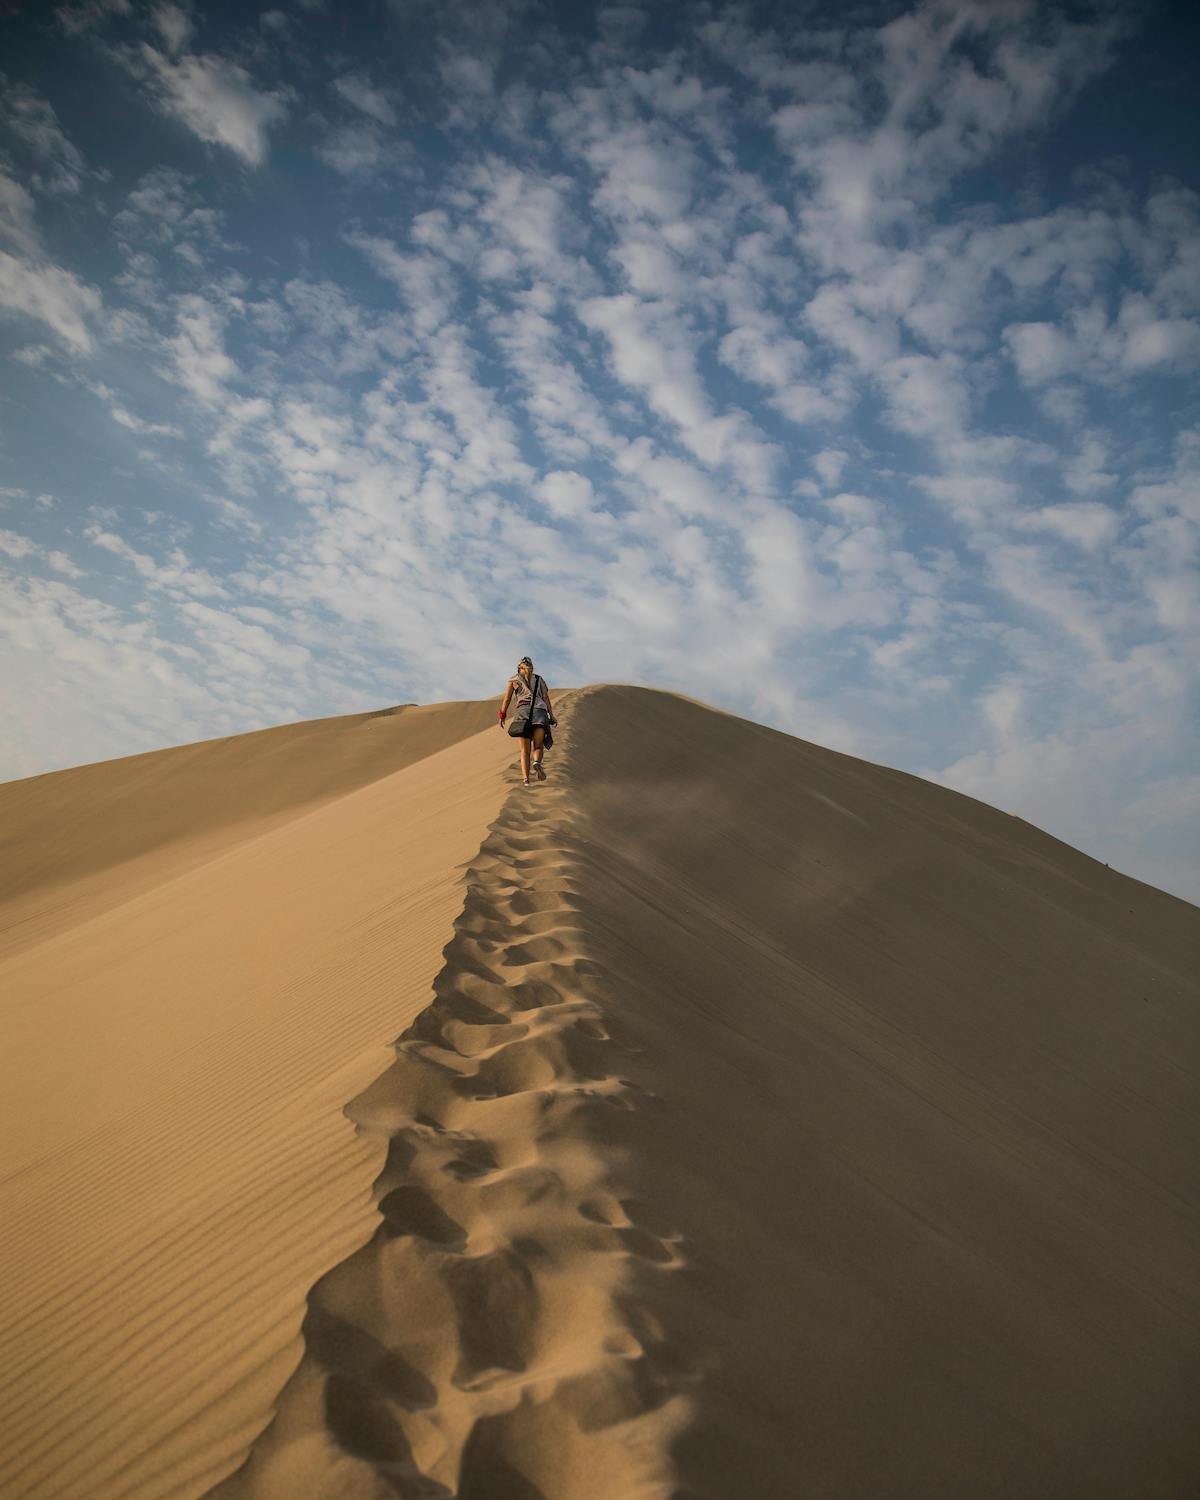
(532, 719)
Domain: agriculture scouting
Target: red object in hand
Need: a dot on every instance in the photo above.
(500, 716)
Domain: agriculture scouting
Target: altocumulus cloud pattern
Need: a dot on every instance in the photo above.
(833, 364)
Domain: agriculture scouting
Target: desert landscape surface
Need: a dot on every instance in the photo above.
(725, 1117)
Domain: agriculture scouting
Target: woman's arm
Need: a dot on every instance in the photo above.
(549, 705)
(508, 692)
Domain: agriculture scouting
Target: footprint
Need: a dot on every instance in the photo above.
(410, 1210)
(534, 994)
(474, 1159)
(605, 1208)
(487, 1472)
(497, 1304)
(558, 919)
(517, 1068)
(463, 955)
(644, 1245)
(520, 1187)
(346, 1350)
(535, 951)
(363, 1426)
(460, 1026)
(527, 902)
(645, 1216)
(621, 1389)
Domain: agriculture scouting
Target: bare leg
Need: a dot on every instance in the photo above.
(539, 735)
(524, 760)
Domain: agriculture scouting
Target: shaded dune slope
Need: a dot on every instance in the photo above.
(176, 1168)
(782, 1125)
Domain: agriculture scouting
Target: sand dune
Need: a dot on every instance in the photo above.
(779, 1125)
(81, 841)
(176, 1169)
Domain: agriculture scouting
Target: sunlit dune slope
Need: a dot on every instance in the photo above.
(782, 1126)
(79, 840)
(175, 1166)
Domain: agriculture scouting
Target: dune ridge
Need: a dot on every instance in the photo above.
(484, 1343)
(905, 1200)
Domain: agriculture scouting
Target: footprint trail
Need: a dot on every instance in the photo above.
(494, 1339)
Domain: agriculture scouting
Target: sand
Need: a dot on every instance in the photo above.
(175, 1168)
(779, 1125)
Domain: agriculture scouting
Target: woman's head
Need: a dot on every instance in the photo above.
(525, 667)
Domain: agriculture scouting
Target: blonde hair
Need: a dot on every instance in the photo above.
(521, 665)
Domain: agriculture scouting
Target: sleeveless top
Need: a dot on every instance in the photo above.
(521, 688)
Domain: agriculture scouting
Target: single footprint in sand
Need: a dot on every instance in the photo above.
(496, 1299)
(411, 1210)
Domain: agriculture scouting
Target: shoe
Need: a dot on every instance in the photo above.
(541, 775)
(524, 780)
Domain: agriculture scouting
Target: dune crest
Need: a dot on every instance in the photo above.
(779, 1124)
(485, 1344)
(903, 1199)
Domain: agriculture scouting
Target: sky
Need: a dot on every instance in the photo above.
(833, 364)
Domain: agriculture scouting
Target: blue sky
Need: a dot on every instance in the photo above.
(833, 364)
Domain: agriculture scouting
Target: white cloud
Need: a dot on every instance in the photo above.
(52, 296)
(1088, 524)
(566, 494)
(58, 162)
(143, 428)
(197, 349)
(926, 397)
(654, 352)
(568, 417)
(1154, 342)
(784, 584)
(17, 217)
(356, 150)
(174, 26)
(682, 487)
(1029, 578)
(526, 213)
(12, 544)
(1042, 352)
(176, 575)
(425, 281)
(216, 99)
(87, 15)
(643, 177)
(164, 224)
(869, 339)
(90, 679)
(761, 353)
(357, 90)
(829, 464)
(469, 79)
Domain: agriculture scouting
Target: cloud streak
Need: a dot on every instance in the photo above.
(214, 97)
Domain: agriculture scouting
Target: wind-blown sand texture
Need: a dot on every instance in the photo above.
(781, 1125)
(175, 1167)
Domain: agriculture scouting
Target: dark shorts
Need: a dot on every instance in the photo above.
(540, 720)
